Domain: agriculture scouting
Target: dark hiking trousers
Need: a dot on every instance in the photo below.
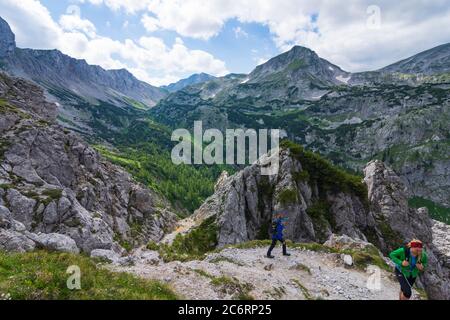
(403, 280)
(274, 242)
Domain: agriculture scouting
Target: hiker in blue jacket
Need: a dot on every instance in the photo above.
(277, 235)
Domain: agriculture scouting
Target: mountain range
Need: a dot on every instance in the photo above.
(85, 163)
(391, 114)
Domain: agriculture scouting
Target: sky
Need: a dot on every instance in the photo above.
(162, 41)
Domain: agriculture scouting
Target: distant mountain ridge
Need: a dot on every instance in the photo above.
(193, 79)
(55, 70)
(432, 61)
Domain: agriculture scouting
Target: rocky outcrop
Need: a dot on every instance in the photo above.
(54, 187)
(244, 203)
(441, 240)
(389, 206)
(7, 40)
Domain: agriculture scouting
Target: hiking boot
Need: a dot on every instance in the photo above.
(285, 250)
(270, 256)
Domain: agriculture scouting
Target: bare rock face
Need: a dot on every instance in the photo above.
(441, 240)
(56, 186)
(389, 205)
(7, 39)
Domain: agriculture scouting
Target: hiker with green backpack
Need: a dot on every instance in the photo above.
(278, 224)
(409, 261)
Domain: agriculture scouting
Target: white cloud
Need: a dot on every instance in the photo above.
(339, 32)
(240, 33)
(149, 59)
(151, 24)
(74, 23)
(130, 6)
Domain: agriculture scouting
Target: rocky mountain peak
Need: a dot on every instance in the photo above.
(298, 60)
(296, 55)
(7, 39)
(433, 61)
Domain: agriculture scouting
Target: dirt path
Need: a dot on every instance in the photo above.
(183, 227)
(240, 273)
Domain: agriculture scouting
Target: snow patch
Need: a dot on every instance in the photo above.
(343, 79)
(318, 97)
(354, 120)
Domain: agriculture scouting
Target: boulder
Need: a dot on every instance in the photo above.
(5, 217)
(344, 242)
(14, 241)
(20, 206)
(348, 260)
(108, 255)
(54, 242)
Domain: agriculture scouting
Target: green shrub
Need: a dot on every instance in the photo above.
(232, 286)
(194, 245)
(303, 289)
(4, 146)
(322, 218)
(152, 246)
(287, 196)
(367, 256)
(327, 176)
(392, 238)
(263, 232)
(54, 194)
(301, 176)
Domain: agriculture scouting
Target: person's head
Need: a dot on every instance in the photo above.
(279, 215)
(416, 247)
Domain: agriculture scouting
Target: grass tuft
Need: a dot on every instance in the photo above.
(41, 275)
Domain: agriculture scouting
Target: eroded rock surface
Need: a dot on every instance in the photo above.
(53, 185)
